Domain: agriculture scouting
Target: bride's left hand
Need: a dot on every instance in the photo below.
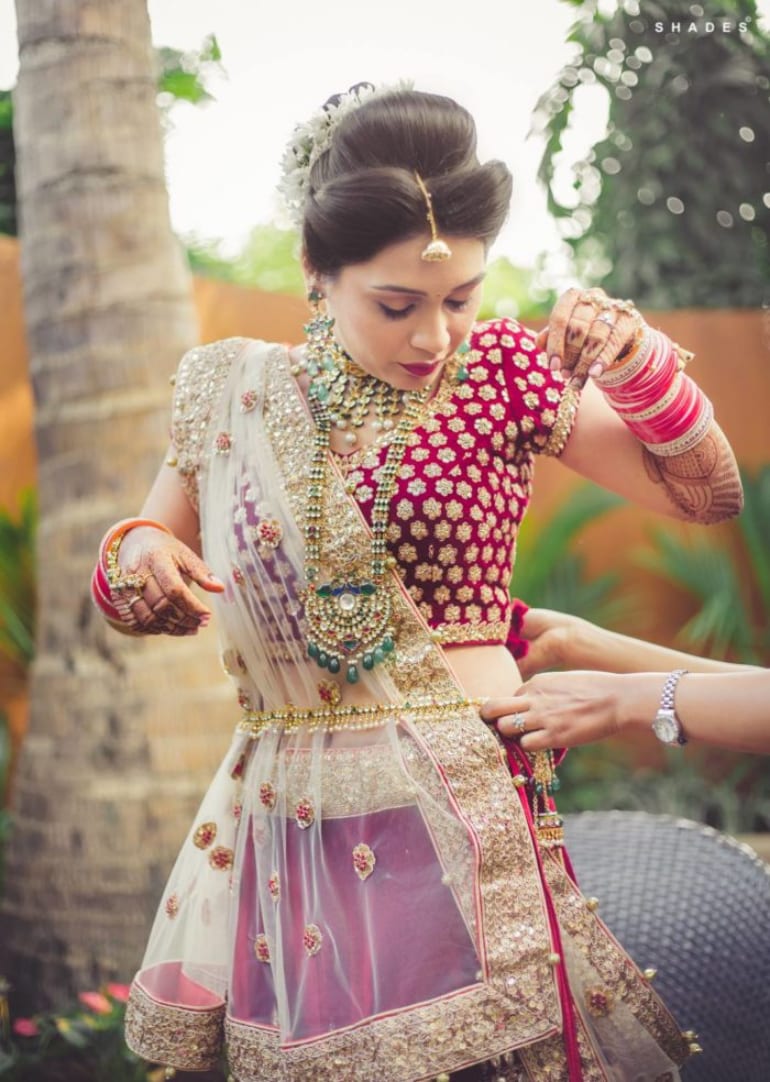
(588, 332)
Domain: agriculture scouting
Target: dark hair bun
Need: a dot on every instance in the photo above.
(363, 192)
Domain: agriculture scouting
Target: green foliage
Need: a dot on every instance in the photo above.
(670, 207)
(183, 76)
(730, 582)
(8, 223)
(550, 574)
(269, 260)
(508, 291)
(600, 778)
(17, 581)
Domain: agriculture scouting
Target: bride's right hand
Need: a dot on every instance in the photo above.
(165, 603)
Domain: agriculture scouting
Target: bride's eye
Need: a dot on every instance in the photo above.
(396, 313)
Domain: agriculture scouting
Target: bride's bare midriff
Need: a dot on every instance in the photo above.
(483, 672)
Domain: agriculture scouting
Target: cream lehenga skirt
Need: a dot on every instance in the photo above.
(373, 906)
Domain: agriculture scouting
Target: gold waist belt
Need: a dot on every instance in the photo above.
(332, 718)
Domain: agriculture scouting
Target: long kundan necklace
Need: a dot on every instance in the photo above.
(349, 618)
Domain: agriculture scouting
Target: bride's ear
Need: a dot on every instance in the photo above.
(310, 274)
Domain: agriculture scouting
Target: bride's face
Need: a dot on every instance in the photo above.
(399, 317)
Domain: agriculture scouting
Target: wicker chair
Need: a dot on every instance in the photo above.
(695, 905)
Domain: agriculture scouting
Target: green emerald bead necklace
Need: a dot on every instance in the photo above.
(349, 621)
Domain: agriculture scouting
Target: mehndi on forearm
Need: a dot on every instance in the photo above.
(682, 447)
(704, 483)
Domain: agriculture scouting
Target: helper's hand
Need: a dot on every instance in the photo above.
(165, 566)
(560, 710)
(553, 641)
(588, 332)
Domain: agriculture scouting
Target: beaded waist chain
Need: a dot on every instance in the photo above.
(330, 719)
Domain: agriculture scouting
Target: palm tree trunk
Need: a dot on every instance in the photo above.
(119, 740)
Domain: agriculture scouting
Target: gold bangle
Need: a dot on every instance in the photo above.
(110, 548)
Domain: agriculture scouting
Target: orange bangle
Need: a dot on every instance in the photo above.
(117, 531)
(111, 542)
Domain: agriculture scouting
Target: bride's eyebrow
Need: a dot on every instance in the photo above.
(421, 293)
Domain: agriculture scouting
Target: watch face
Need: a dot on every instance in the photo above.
(666, 728)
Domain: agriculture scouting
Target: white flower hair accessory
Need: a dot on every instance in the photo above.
(311, 139)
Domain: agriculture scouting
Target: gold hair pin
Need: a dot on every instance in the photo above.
(438, 250)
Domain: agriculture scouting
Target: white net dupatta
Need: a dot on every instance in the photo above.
(357, 901)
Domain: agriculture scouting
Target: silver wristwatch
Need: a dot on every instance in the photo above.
(667, 726)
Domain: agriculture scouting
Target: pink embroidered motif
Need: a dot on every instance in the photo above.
(304, 813)
(221, 858)
(312, 939)
(267, 795)
(363, 861)
(329, 692)
(261, 949)
(274, 886)
(268, 532)
(223, 443)
(172, 906)
(599, 1001)
(237, 810)
(249, 400)
(205, 835)
(238, 576)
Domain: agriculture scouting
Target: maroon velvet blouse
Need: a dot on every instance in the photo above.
(465, 482)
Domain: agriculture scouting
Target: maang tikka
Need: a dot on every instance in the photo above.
(437, 251)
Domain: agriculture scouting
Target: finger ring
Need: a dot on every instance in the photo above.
(614, 304)
(132, 581)
(519, 723)
(605, 317)
(133, 600)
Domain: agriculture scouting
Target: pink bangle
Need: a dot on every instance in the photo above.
(680, 444)
(100, 595)
(647, 383)
(675, 416)
(663, 408)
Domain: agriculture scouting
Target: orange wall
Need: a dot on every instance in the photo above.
(17, 451)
